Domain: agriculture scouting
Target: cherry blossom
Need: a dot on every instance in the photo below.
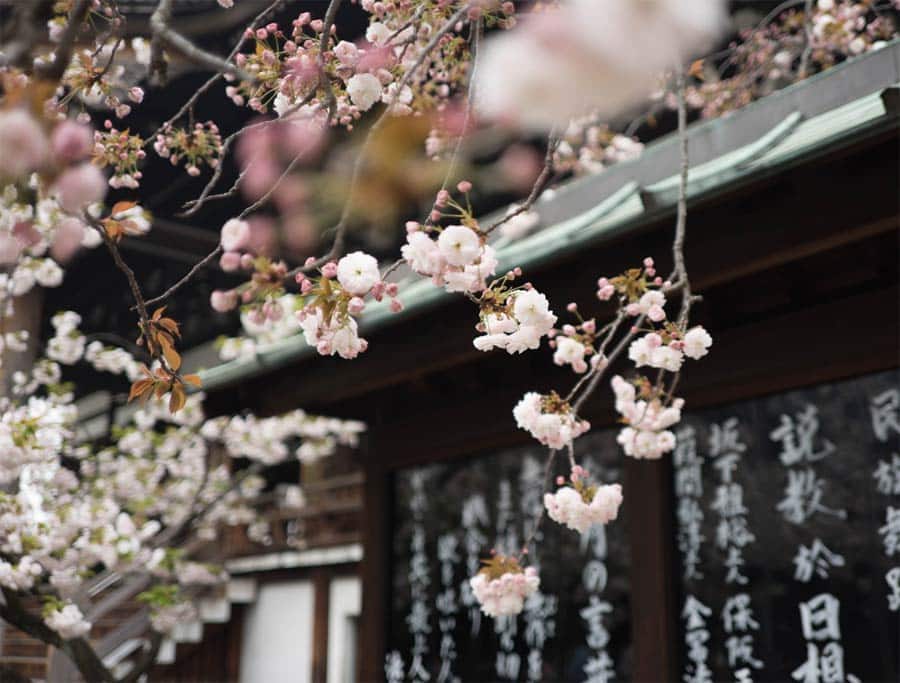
(548, 419)
(502, 587)
(582, 505)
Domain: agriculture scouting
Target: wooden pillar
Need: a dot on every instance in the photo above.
(374, 575)
(650, 509)
(321, 586)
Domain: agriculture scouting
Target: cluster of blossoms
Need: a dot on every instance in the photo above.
(94, 78)
(768, 57)
(582, 505)
(574, 343)
(514, 319)
(66, 620)
(121, 151)
(667, 348)
(589, 146)
(502, 586)
(67, 344)
(456, 257)
(333, 301)
(241, 241)
(292, 73)
(549, 419)
(196, 147)
(46, 180)
(269, 440)
(647, 433)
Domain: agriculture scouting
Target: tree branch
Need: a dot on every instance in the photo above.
(168, 37)
(63, 54)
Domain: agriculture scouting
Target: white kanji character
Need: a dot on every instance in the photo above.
(393, 667)
(893, 581)
(737, 614)
(803, 497)
(694, 613)
(887, 476)
(740, 651)
(891, 531)
(820, 617)
(885, 410)
(725, 438)
(816, 558)
(797, 435)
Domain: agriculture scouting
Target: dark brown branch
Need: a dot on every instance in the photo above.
(54, 70)
(200, 265)
(166, 36)
(539, 184)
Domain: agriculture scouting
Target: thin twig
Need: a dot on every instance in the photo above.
(215, 77)
(200, 265)
(539, 184)
(168, 37)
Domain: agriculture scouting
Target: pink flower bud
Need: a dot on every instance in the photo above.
(223, 301)
(589, 326)
(356, 305)
(230, 261)
(633, 309)
(442, 198)
(246, 261)
(329, 270)
(464, 186)
(299, 278)
(392, 289)
(378, 290)
(560, 480)
(648, 262)
(412, 226)
(572, 307)
(568, 330)
(396, 305)
(434, 216)
(306, 286)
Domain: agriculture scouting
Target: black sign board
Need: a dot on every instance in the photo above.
(447, 517)
(788, 517)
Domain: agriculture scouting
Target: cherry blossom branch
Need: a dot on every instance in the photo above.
(63, 54)
(194, 205)
(341, 226)
(808, 38)
(196, 268)
(257, 20)
(78, 649)
(539, 185)
(165, 36)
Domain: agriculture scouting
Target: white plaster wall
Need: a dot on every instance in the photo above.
(344, 604)
(277, 640)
